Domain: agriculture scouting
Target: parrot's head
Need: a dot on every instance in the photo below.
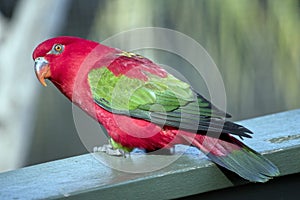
(62, 58)
(59, 59)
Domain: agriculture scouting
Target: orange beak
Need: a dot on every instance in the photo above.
(42, 69)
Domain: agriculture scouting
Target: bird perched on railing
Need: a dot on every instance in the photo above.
(143, 106)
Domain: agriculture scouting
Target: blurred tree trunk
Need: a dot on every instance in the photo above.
(32, 22)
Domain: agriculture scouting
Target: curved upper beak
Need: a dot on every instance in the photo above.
(42, 69)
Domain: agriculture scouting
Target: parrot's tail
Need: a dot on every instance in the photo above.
(232, 154)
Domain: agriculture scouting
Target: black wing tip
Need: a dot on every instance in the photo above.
(246, 130)
(227, 115)
(236, 129)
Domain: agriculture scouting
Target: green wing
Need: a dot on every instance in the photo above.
(164, 101)
(123, 93)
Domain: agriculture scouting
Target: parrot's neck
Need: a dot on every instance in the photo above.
(74, 84)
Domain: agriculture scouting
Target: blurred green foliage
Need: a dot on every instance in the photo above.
(255, 43)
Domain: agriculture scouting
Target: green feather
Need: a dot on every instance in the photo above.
(124, 93)
(164, 101)
(248, 164)
(117, 145)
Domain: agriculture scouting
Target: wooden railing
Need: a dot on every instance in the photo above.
(277, 136)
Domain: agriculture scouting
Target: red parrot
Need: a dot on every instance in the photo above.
(143, 106)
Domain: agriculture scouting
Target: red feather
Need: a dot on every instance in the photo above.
(134, 67)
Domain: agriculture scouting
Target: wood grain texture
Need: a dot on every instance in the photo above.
(85, 177)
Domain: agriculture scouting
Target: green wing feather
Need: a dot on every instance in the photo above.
(123, 93)
(164, 101)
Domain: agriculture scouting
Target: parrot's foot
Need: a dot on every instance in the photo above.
(108, 149)
(113, 149)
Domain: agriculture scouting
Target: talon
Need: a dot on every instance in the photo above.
(103, 148)
(115, 152)
(95, 149)
(113, 149)
(109, 150)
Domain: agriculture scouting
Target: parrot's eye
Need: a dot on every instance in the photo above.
(57, 49)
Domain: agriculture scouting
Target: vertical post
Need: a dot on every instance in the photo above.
(32, 21)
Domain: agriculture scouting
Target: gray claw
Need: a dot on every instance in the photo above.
(109, 150)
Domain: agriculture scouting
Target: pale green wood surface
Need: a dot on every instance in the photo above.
(84, 177)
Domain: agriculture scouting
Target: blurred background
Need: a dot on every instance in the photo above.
(255, 44)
